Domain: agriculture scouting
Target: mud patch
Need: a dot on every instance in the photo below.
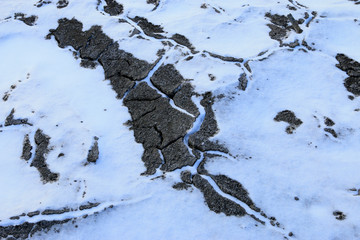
(26, 151)
(10, 120)
(352, 69)
(39, 162)
(30, 21)
(149, 28)
(288, 117)
(215, 201)
(113, 8)
(62, 3)
(93, 154)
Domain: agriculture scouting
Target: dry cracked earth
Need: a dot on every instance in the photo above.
(170, 116)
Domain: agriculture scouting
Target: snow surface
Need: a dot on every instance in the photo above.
(72, 105)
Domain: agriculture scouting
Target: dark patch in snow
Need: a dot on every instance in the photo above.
(243, 81)
(186, 177)
(289, 117)
(200, 139)
(182, 40)
(167, 79)
(9, 121)
(331, 131)
(62, 3)
(149, 28)
(30, 21)
(26, 229)
(235, 189)
(339, 215)
(352, 69)
(215, 201)
(26, 151)
(93, 154)
(39, 162)
(113, 8)
(181, 186)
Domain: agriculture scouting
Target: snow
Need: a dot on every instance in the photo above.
(72, 105)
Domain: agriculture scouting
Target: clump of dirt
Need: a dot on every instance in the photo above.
(26, 229)
(113, 8)
(352, 69)
(30, 21)
(26, 151)
(182, 40)
(93, 154)
(215, 201)
(181, 186)
(62, 3)
(9, 121)
(149, 28)
(289, 117)
(339, 215)
(42, 3)
(331, 131)
(186, 177)
(328, 122)
(235, 189)
(243, 81)
(39, 162)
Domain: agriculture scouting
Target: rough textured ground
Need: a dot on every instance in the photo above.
(165, 119)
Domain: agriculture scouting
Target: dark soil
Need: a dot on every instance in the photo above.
(167, 79)
(62, 3)
(113, 8)
(39, 162)
(30, 21)
(9, 121)
(352, 69)
(149, 28)
(215, 201)
(289, 117)
(26, 152)
(93, 154)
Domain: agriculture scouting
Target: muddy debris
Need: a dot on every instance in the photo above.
(42, 3)
(27, 230)
(167, 79)
(10, 121)
(62, 3)
(113, 8)
(181, 186)
(339, 215)
(182, 99)
(225, 58)
(93, 154)
(235, 189)
(88, 206)
(288, 117)
(26, 151)
(186, 177)
(86, 63)
(352, 69)
(200, 139)
(182, 40)
(328, 122)
(243, 82)
(149, 28)
(331, 131)
(39, 162)
(279, 26)
(152, 160)
(32, 214)
(294, 23)
(55, 211)
(176, 156)
(215, 201)
(30, 21)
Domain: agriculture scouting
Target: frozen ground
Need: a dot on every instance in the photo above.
(179, 119)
